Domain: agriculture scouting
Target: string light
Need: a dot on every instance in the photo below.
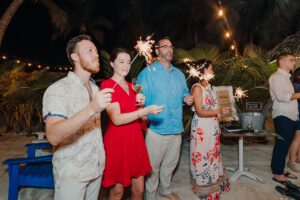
(32, 65)
(228, 33)
(221, 12)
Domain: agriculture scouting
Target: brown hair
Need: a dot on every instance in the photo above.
(282, 55)
(72, 45)
(114, 54)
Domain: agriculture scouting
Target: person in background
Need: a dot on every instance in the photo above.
(284, 112)
(295, 146)
(163, 84)
(127, 160)
(71, 110)
(208, 175)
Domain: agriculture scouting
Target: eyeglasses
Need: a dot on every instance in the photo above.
(165, 47)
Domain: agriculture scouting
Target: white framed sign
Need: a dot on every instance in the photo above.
(226, 103)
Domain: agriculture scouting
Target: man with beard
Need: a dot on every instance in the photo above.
(71, 110)
(163, 84)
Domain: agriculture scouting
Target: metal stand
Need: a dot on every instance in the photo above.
(241, 170)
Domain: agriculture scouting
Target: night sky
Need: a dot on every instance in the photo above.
(28, 35)
(119, 23)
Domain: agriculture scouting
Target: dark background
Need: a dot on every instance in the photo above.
(117, 23)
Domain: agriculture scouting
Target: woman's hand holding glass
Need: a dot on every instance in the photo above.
(140, 99)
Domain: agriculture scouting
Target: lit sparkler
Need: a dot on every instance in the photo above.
(240, 93)
(192, 71)
(144, 48)
(187, 60)
(207, 77)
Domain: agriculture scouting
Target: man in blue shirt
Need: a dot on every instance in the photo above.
(163, 84)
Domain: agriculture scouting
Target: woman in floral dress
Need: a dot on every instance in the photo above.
(207, 172)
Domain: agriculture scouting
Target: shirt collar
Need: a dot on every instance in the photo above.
(161, 67)
(281, 71)
(77, 80)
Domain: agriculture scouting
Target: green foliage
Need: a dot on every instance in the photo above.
(250, 71)
(21, 95)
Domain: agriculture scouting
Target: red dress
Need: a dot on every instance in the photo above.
(125, 148)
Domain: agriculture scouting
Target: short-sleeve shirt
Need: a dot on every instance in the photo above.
(168, 88)
(82, 158)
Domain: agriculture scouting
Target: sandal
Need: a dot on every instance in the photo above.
(293, 167)
(287, 192)
(278, 181)
(289, 175)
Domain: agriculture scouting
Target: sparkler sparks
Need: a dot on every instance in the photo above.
(193, 72)
(207, 77)
(187, 60)
(240, 93)
(144, 48)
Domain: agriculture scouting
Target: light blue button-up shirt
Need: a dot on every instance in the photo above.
(168, 88)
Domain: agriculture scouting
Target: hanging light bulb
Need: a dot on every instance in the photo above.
(4, 57)
(232, 47)
(220, 12)
(29, 64)
(227, 34)
(18, 61)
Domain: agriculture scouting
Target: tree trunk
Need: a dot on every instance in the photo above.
(7, 16)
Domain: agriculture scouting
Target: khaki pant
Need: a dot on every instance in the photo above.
(164, 151)
(79, 190)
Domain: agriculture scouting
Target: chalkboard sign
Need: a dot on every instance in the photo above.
(253, 105)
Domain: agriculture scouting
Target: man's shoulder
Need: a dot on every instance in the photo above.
(59, 85)
(276, 75)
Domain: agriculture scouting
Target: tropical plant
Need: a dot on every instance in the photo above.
(250, 71)
(21, 95)
(289, 44)
(265, 22)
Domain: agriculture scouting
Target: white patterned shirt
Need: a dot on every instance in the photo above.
(83, 157)
(281, 90)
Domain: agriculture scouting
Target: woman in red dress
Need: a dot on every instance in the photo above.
(127, 160)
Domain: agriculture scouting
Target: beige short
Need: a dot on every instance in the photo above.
(79, 190)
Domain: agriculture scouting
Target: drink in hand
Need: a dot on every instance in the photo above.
(137, 88)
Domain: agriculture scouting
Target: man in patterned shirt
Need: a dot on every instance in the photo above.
(71, 109)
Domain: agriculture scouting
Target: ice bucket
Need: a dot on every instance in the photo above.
(257, 119)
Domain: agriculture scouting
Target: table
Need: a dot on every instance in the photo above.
(241, 171)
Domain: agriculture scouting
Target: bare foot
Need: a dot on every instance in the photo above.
(171, 196)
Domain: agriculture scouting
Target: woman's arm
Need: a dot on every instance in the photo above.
(198, 103)
(118, 118)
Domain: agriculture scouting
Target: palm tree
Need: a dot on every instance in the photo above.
(21, 95)
(289, 44)
(265, 22)
(58, 17)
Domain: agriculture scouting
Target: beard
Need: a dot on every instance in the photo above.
(91, 67)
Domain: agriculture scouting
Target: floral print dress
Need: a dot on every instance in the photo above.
(207, 172)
